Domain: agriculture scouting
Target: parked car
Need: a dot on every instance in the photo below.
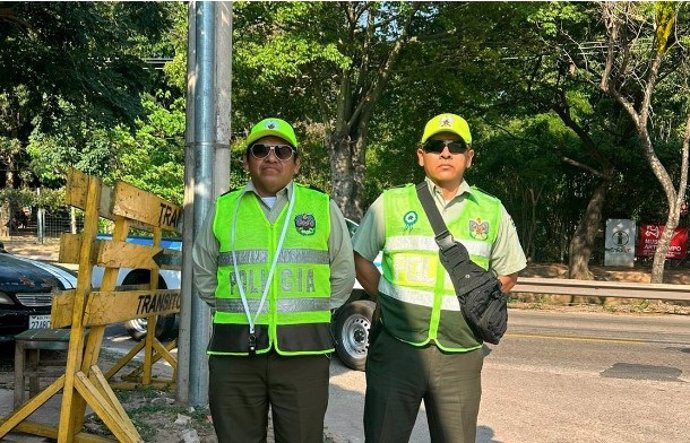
(26, 288)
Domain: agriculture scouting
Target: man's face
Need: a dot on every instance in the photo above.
(445, 168)
(270, 174)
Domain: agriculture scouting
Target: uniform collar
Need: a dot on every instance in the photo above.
(436, 190)
(286, 192)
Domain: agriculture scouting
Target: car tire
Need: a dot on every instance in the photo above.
(166, 327)
(351, 330)
(136, 328)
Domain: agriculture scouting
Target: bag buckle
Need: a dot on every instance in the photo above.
(445, 240)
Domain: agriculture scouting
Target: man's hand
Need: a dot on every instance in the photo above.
(507, 282)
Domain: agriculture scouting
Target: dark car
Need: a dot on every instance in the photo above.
(26, 288)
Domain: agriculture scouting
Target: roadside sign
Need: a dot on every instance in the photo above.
(619, 242)
(650, 234)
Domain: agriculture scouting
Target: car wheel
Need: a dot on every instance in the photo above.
(136, 328)
(351, 329)
(166, 327)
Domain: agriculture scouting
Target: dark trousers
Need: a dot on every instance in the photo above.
(400, 376)
(241, 389)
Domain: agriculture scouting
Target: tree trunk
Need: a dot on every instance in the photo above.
(662, 247)
(675, 200)
(583, 239)
(347, 170)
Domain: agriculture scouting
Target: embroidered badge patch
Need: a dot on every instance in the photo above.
(410, 218)
(446, 122)
(271, 124)
(305, 224)
(479, 229)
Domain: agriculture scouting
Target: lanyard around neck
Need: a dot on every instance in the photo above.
(245, 304)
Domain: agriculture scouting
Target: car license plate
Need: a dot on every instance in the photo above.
(39, 321)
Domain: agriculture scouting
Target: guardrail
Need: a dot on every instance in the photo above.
(598, 288)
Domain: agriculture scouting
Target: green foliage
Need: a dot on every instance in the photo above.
(71, 73)
(75, 91)
(24, 197)
(153, 157)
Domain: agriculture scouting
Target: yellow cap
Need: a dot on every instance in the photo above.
(272, 127)
(448, 123)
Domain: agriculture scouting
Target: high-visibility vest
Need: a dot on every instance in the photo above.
(418, 300)
(295, 318)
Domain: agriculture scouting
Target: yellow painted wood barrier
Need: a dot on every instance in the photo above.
(83, 382)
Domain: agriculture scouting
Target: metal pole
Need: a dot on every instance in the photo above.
(72, 220)
(183, 340)
(40, 220)
(204, 142)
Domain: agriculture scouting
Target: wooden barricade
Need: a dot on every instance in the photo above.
(83, 382)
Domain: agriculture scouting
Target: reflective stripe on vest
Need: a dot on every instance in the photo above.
(285, 256)
(419, 243)
(295, 318)
(418, 300)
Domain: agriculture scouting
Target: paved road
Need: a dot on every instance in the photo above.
(556, 377)
(566, 377)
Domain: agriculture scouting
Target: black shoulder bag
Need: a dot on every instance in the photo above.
(484, 306)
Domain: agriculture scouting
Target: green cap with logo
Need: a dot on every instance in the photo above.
(272, 127)
(447, 123)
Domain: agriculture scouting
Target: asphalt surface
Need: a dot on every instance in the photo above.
(556, 377)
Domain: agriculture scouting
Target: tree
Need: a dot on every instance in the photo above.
(631, 73)
(70, 68)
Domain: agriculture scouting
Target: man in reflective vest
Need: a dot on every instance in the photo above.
(425, 350)
(272, 259)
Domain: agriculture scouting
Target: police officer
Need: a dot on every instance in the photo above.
(272, 259)
(425, 350)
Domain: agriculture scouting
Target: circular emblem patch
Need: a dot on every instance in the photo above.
(410, 218)
(305, 224)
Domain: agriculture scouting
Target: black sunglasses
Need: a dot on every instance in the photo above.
(282, 152)
(434, 146)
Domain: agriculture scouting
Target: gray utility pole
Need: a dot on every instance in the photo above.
(207, 169)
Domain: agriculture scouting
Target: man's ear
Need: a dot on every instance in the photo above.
(420, 157)
(245, 163)
(297, 165)
(470, 157)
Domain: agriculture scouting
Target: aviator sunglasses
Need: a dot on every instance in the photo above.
(436, 146)
(282, 152)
